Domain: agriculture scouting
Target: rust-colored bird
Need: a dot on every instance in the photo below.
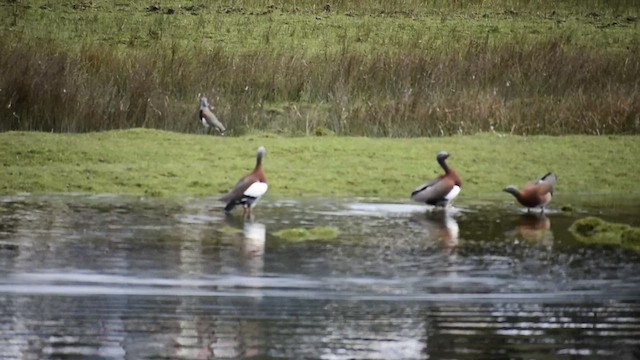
(208, 118)
(441, 190)
(537, 193)
(249, 189)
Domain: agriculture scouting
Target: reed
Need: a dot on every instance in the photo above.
(393, 69)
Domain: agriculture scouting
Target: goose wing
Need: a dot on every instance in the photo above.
(424, 187)
(433, 191)
(545, 184)
(239, 189)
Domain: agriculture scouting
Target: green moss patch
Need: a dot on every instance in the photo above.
(567, 208)
(302, 234)
(593, 230)
(631, 238)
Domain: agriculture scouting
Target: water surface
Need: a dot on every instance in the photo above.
(116, 277)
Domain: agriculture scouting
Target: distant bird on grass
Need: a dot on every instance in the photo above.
(441, 190)
(249, 189)
(208, 118)
(537, 193)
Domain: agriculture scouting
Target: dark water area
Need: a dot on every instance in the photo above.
(109, 277)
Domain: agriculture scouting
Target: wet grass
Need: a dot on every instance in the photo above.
(159, 163)
(365, 68)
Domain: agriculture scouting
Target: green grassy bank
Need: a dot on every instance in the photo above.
(409, 68)
(159, 163)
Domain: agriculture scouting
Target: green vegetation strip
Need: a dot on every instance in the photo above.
(292, 26)
(160, 163)
(593, 230)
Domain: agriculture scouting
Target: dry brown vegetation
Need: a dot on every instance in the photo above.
(552, 84)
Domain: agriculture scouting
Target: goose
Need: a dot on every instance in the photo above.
(441, 190)
(208, 118)
(537, 193)
(249, 189)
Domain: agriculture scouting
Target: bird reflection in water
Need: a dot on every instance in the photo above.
(535, 228)
(442, 227)
(253, 247)
(212, 335)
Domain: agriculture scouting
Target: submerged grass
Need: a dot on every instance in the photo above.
(159, 163)
(367, 68)
(593, 230)
(304, 234)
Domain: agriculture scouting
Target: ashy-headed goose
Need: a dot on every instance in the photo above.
(249, 189)
(537, 193)
(441, 190)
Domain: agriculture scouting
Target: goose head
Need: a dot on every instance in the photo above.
(441, 157)
(262, 151)
(511, 189)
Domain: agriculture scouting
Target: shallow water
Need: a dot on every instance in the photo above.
(116, 277)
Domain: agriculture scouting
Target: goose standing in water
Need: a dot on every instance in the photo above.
(249, 189)
(208, 118)
(537, 193)
(441, 190)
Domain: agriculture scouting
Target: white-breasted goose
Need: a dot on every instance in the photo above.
(441, 190)
(249, 189)
(537, 193)
(208, 118)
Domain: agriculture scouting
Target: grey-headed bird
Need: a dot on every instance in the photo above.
(208, 118)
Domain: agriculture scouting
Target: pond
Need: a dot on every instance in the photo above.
(112, 277)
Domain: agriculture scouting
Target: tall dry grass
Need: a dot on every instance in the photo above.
(544, 87)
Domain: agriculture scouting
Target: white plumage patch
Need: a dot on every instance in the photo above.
(453, 193)
(204, 122)
(256, 190)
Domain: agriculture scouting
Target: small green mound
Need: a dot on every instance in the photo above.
(322, 131)
(302, 234)
(593, 230)
(567, 208)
